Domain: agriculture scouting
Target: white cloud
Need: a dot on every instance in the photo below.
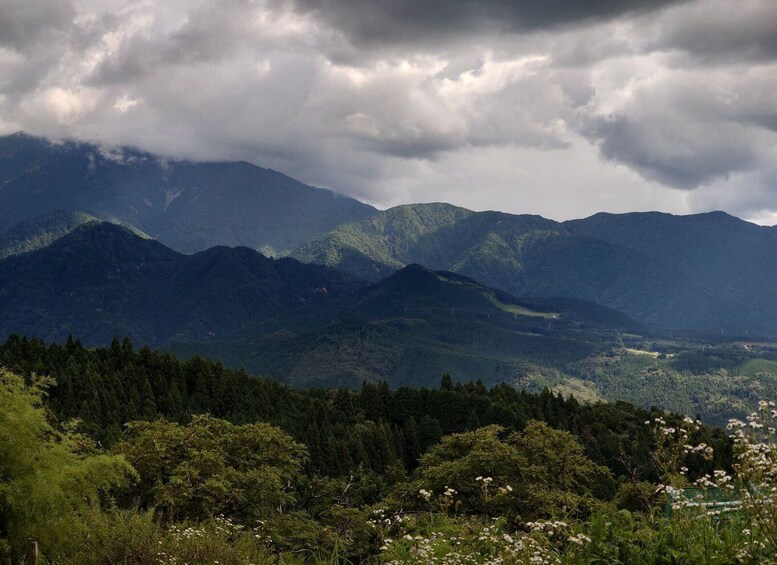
(124, 103)
(57, 106)
(559, 114)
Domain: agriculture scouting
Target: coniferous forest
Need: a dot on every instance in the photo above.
(125, 455)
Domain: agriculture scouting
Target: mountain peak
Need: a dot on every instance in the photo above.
(187, 205)
(111, 241)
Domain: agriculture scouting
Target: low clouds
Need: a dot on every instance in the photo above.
(561, 108)
(719, 31)
(680, 119)
(679, 154)
(430, 21)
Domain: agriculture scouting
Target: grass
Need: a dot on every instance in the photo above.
(653, 354)
(521, 310)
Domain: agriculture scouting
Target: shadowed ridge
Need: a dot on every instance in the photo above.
(187, 205)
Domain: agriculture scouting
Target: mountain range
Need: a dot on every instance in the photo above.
(646, 307)
(710, 273)
(310, 325)
(416, 325)
(186, 205)
(301, 323)
(102, 280)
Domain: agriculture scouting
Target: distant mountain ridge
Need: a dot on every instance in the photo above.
(186, 205)
(44, 230)
(707, 272)
(415, 325)
(102, 280)
(301, 323)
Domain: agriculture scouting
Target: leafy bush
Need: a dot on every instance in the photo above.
(531, 473)
(211, 467)
(48, 477)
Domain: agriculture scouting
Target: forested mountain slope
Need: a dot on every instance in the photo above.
(44, 230)
(415, 325)
(188, 206)
(102, 280)
(108, 386)
(708, 273)
(186, 461)
(300, 323)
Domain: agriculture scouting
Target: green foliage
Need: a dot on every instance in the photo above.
(208, 490)
(39, 232)
(373, 428)
(48, 477)
(211, 467)
(131, 537)
(714, 382)
(373, 249)
(532, 473)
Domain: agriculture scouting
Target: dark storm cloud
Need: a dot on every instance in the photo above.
(719, 32)
(422, 21)
(682, 157)
(562, 106)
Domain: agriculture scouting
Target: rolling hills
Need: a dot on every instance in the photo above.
(300, 323)
(417, 324)
(102, 280)
(310, 325)
(188, 206)
(709, 273)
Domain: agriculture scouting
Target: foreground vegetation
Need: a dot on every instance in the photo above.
(712, 381)
(215, 467)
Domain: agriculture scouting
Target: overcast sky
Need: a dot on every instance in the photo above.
(562, 107)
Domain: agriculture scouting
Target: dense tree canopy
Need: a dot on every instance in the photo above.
(211, 467)
(526, 473)
(374, 427)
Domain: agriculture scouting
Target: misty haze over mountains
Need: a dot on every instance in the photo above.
(709, 273)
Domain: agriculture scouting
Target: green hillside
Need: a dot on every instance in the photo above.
(417, 324)
(39, 232)
(708, 273)
(309, 326)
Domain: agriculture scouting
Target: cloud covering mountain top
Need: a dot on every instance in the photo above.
(560, 108)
